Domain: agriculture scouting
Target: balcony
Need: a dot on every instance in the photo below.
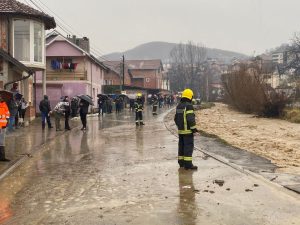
(66, 76)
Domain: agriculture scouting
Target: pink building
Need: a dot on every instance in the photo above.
(70, 70)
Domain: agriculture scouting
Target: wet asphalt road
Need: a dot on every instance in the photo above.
(116, 173)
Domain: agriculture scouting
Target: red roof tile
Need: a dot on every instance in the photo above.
(13, 7)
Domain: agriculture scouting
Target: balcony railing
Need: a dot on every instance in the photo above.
(62, 75)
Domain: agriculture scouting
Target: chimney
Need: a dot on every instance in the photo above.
(84, 43)
(74, 39)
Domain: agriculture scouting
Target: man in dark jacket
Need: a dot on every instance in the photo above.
(45, 110)
(84, 109)
(186, 124)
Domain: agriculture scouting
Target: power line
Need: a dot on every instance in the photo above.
(57, 17)
(63, 25)
(44, 11)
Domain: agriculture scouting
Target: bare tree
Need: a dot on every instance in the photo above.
(248, 91)
(187, 66)
(293, 54)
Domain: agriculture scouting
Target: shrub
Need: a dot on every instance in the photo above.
(292, 115)
(246, 90)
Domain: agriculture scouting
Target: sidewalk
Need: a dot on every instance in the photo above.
(23, 142)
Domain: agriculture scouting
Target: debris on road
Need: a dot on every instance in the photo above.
(219, 182)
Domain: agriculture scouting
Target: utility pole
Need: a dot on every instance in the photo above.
(123, 70)
(207, 88)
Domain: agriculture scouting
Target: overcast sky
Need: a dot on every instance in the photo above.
(246, 26)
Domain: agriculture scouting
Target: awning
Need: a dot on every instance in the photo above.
(14, 61)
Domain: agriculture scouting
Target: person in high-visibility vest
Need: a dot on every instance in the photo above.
(4, 116)
(186, 124)
(139, 107)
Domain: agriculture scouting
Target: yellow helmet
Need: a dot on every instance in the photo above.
(187, 93)
(139, 95)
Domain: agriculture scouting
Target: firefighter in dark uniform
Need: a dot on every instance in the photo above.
(139, 107)
(186, 124)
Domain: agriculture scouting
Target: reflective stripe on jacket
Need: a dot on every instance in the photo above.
(138, 105)
(4, 114)
(185, 118)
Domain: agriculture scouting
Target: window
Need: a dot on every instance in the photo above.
(108, 82)
(38, 42)
(28, 41)
(22, 40)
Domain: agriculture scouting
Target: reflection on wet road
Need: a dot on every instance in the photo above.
(117, 173)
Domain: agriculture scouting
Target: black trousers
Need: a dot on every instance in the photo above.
(23, 112)
(83, 119)
(67, 126)
(185, 150)
(154, 109)
(139, 117)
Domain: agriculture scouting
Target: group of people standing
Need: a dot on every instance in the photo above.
(63, 110)
(12, 115)
(17, 108)
(184, 120)
(105, 105)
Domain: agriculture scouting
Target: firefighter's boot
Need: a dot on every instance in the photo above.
(192, 167)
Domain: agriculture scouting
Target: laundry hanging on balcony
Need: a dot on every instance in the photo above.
(58, 65)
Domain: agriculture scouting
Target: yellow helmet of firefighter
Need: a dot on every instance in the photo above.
(139, 95)
(187, 93)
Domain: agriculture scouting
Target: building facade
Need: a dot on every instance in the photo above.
(70, 70)
(140, 75)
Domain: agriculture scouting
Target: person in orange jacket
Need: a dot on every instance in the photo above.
(4, 116)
